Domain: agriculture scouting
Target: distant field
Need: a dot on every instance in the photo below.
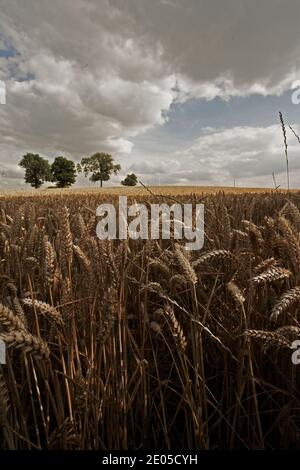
(140, 191)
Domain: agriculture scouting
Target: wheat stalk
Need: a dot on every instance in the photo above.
(271, 275)
(9, 320)
(45, 309)
(211, 256)
(26, 342)
(176, 328)
(270, 338)
(185, 265)
(285, 148)
(287, 300)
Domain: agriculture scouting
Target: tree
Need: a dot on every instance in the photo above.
(130, 180)
(63, 172)
(99, 166)
(37, 169)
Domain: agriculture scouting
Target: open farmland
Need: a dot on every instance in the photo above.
(138, 191)
(142, 344)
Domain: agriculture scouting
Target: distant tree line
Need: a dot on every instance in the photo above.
(98, 168)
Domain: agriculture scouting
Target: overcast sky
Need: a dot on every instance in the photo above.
(179, 91)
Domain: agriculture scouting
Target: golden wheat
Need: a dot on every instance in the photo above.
(148, 344)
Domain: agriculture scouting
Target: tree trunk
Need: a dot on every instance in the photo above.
(101, 183)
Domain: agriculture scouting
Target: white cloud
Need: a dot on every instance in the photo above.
(243, 153)
(249, 43)
(92, 87)
(247, 155)
(92, 74)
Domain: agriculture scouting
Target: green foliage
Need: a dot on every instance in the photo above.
(99, 167)
(130, 180)
(37, 169)
(63, 172)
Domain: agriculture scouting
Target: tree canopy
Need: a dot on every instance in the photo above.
(37, 169)
(63, 172)
(99, 167)
(130, 180)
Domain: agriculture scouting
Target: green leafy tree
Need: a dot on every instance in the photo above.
(37, 169)
(63, 172)
(99, 167)
(130, 180)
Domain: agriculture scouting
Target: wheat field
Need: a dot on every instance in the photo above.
(142, 344)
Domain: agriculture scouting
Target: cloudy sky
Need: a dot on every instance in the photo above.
(179, 91)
